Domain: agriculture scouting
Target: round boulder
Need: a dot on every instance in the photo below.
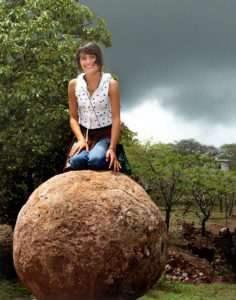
(89, 235)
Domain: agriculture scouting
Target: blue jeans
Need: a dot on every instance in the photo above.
(95, 159)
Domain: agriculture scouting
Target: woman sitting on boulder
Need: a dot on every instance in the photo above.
(94, 103)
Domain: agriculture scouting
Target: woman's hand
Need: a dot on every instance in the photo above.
(113, 160)
(78, 147)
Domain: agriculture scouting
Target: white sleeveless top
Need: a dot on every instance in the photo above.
(99, 103)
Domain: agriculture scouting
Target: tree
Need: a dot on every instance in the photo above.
(190, 146)
(127, 137)
(161, 170)
(228, 151)
(38, 43)
(227, 191)
(205, 185)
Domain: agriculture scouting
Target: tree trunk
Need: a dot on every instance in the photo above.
(221, 204)
(203, 227)
(167, 220)
(232, 205)
(226, 219)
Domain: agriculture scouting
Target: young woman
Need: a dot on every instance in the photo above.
(94, 103)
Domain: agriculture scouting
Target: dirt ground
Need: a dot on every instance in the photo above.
(187, 249)
(214, 227)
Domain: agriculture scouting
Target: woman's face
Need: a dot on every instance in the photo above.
(88, 63)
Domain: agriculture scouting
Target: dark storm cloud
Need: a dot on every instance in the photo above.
(184, 47)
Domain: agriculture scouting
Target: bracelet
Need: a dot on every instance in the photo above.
(112, 148)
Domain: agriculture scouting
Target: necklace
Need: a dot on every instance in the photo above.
(92, 90)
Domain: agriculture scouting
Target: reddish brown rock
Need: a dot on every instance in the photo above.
(89, 235)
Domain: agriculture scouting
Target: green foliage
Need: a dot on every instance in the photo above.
(173, 176)
(127, 137)
(205, 186)
(227, 193)
(229, 152)
(38, 40)
(162, 171)
(209, 184)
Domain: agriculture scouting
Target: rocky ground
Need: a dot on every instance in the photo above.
(196, 259)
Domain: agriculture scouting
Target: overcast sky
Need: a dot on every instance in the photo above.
(176, 65)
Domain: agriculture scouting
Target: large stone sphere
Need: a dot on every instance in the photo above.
(89, 235)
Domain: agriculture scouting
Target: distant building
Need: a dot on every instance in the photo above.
(223, 164)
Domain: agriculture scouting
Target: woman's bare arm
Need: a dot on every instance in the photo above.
(115, 110)
(73, 106)
(114, 95)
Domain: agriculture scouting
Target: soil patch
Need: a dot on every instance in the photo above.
(214, 226)
(196, 259)
(183, 265)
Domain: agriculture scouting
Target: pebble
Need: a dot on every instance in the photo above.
(168, 268)
(186, 279)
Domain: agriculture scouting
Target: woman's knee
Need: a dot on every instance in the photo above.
(98, 162)
(78, 162)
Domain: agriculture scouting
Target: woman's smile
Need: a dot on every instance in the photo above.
(88, 62)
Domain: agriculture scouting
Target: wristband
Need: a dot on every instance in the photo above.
(112, 148)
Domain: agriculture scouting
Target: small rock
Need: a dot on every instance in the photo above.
(185, 275)
(168, 268)
(109, 280)
(223, 232)
(194, 276)
(200, 274)
(186, 279)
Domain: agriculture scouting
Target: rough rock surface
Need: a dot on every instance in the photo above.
(89, 235)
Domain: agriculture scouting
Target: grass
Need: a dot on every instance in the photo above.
(14, 289)
(164, 289)
(216, 217)
(174, 290)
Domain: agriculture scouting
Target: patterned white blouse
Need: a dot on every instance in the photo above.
(94, 112)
